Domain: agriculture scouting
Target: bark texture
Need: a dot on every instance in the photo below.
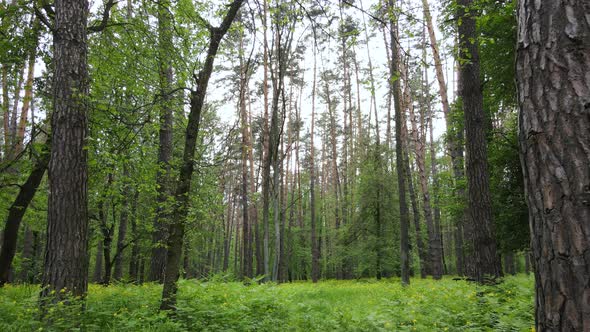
(553, 62)
(160, 234)
(66, 251)
(485, 256)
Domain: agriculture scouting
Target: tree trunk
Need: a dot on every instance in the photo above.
(266, 162)
(163, 177)
(315, 250)
(107, 240)
(509, 263)
(97, 277)
(455, 136)
(399, 159)
(554, 99)
(176, 237)
(26, 256)
(66, 253)
(246, 145)
(486, 258)
(121, 245)
(17, 211)
(134, 259)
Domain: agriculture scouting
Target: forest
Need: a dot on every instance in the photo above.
(301, 165)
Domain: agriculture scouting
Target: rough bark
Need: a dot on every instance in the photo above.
(552, 69)
(163, 177)
(66, 251)
(485, 255)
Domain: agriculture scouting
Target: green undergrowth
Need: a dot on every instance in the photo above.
(359, 305)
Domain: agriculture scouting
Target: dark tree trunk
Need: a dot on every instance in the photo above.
(483, 241)
(17, 211)
(27, 256)
(176, 237)
(97, 277)
(66, 253)
(509, 267)
(163, 178)
(107, 240)
(118, 274)
(399, 159)
(134, 259)
(552, 65)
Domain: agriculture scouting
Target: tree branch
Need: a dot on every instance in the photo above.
(105, 18)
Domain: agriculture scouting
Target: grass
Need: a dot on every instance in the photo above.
(364, 305)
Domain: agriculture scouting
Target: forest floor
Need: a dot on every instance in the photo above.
(359, 305)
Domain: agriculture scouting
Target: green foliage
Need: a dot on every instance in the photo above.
(363, 305)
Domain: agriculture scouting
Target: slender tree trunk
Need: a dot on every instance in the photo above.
(176, 237)
(66, 253)
(121, 245)
(408, 103)
(486, 258)
(107, 239)
(27, 256)
(399, 164)
(554, 99)
(435, 236)
(315, 250)
(134, 259)
(454, 141)
(17, 211)
(266, 161)
(97, 278)
(509, 263)
(246, 145)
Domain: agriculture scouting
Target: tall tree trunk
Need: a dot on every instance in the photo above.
(246, 145)
(176, 237)
(408, 103)
(399, 163)
(266, 161)
(435, 236)
(163, 177)
(66, 253)
(487, 260)
(315, 250)
(455, 137)
(554, 98)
